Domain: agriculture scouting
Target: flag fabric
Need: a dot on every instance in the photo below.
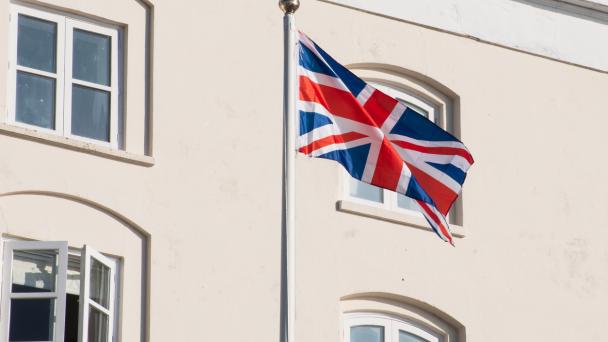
(377, 139)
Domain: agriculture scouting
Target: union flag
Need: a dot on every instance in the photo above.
(377, 139)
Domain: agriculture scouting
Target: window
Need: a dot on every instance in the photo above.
(388, 317)
(369, 194)
(431, 99)
(50, 293)
(369, 327)
(64, 76)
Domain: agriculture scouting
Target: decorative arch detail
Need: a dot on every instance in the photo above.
(405, 309)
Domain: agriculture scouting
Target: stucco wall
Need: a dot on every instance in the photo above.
(573, 31)
(530, 267)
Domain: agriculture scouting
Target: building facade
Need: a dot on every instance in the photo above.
(140, 177)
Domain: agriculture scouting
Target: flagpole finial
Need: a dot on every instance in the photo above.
(289, 6)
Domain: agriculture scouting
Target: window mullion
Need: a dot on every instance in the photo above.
(390, 199)
(35, 295)
(114, 103)
(66, 96)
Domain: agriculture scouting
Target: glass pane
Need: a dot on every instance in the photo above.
(72, 299)
(100, 283)
(408, 337)
(365, 191)
(91, 57)
(36, 43)
(32, 319)
(367, 333)
(91, 113)
(35, 100)
(405, 202)
(34, 271)
(414, 107)
(72, 285)
(98, 326)
(72, 309)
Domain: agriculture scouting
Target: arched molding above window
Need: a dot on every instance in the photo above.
(404, 310)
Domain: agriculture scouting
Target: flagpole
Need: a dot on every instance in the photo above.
(288, 308)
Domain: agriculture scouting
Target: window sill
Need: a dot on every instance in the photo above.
(80, 146)
(392, 216)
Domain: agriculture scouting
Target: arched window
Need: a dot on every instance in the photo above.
(63, 273)
(373, 327)
(392, 318)
(428, 98)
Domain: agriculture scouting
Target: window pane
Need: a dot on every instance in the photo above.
(36, 43)
(414, 107)
(98, 326)
(72, 285)
(367, 333)
(91, 113)
(407, 337)
(35, 100)
(405, 202)
(365, 191)
(34, 271)
(32, 319)
(100, 283)
(91, 57)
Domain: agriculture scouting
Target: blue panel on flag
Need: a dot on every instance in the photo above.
(352, 82)
(311, 62)
(416, 192)
(454, 172)
(310, 121)
(353, 159)
(416, 126)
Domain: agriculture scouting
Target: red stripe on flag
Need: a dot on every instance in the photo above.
(379, 106)
(437, 220)
(330, 140)
(388, 167)
(439, 192)
(435, 150)
(336, 101)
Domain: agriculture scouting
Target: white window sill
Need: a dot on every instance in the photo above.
(392, 216)
(75, 145)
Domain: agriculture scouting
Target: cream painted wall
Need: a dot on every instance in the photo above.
(532, 264)
(573, 31)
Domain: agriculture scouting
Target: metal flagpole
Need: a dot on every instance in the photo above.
(288, 308)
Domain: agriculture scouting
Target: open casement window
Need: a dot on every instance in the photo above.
(96, 297)
(375, 196)
(52, 294)
(381, 328)
(63, 76)
(33, 291)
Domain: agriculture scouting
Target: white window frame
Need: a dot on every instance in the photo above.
(58, 76)
(84, 255)
(391, 324)
(60, 291)
(63, 76)
(389, 198)
(89, 253)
